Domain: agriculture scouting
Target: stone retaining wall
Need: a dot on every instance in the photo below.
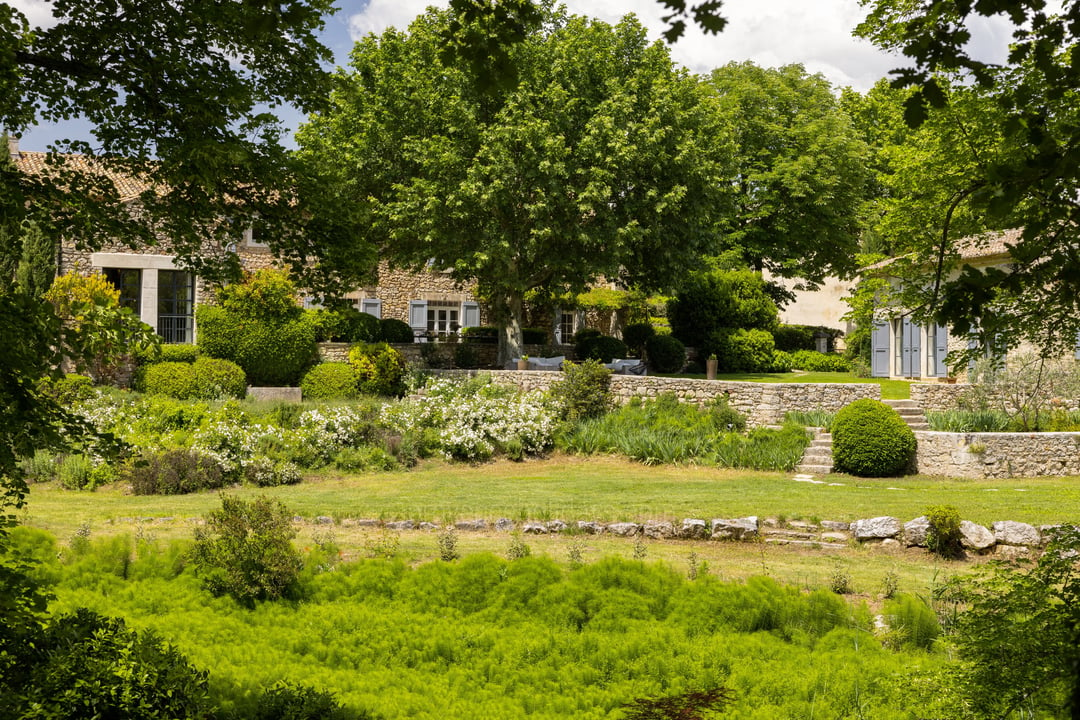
(936, 397)
(997, 455)
(762, 403)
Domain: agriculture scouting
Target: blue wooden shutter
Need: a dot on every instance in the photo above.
(470, 314)
(879, 349)
(909, 348)
(371, 306)
(1078, 346)
(418, 315)
(940, 349)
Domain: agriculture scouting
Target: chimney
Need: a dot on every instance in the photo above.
(13, 146)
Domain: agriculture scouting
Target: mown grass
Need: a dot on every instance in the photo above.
(890, 389)
(596, 488)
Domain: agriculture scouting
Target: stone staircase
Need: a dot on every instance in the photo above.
(910, 411)
(817, 459)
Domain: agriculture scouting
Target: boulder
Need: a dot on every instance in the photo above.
(589, 527)
(555, 526)
(658, 530)
(916, 531)
(694, 528)
(877, 528)
(400, 525)
(835, 526)
(428, 526)
(324, 520)
(1010, 532)
(975, 537)
(504, 524)
(735, 529)
(471, 525)
(623, 529)
(534, 528)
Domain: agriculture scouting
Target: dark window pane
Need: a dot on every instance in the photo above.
(129, 282)
(176, 301)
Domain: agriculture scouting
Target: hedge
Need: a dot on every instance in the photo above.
(870, 439)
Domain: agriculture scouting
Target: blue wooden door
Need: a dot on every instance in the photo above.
(910, 347)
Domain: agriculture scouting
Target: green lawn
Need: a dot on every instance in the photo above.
(605, 489)
(890, 389)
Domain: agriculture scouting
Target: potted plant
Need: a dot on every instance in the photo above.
(523, 362)
(710, 367)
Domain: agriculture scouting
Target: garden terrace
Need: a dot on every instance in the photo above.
(762, 403)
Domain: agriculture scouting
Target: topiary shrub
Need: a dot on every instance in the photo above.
(176, 352)
(330, 381)
(742, 350)
(600, 347)
(174, 472)
(379, 369)
(636, 335)
(666, 354)
(870, 439)
(584, 390)
(271, 352)
(173, 379)
(392, 330)
(216, 379)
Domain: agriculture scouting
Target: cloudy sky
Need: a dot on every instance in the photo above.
(816, 33)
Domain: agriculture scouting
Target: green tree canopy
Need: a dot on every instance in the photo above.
(801, 172)
(601, 160)
(1007, 155)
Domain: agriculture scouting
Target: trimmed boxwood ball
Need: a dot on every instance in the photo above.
(637, 334)
(870, 439)
(216, 378)
(666, 353)
(396, 331)
(174, 379)
(330, 381)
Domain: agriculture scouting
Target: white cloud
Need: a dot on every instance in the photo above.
(38, 12)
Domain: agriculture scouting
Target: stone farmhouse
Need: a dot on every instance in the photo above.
(165, 295)
(902, 349)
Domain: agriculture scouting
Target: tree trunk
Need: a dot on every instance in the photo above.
(508, 312)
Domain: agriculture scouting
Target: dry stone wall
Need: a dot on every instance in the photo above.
(762, 403)
(936, 397)
(998, 455)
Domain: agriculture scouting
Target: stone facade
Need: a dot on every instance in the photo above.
(998, 455)
(762, 403)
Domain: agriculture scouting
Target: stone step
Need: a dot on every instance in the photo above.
(919, 425)
(897, 404)
(785, 541)
(815, 469)
(909, 412)
(816, 457)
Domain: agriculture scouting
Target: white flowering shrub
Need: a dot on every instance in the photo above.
(474, 419)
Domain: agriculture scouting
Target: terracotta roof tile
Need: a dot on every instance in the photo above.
(972, 247)
(36, 163)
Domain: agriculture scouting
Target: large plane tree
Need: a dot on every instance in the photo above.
(590, 157)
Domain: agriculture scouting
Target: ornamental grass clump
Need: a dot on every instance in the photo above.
(870, 439)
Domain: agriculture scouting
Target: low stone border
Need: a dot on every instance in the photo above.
(1007, 538)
